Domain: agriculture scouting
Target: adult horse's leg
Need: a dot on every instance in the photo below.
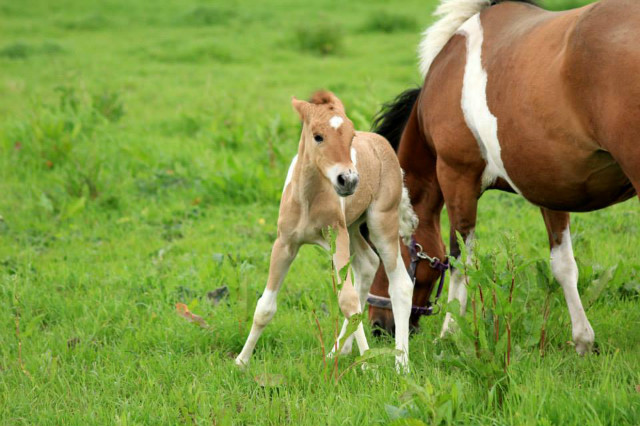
(365, 264)
(461, 189)
(282, 254)
(565, 270)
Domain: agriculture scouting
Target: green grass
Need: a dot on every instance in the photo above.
(143, 146)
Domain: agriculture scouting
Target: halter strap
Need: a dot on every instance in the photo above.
(417, 254)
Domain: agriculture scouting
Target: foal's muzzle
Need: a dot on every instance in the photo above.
(346, 183)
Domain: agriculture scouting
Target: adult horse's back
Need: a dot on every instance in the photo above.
(545, 104)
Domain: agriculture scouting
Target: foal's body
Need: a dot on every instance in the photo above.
(545, 104)
(317, 195)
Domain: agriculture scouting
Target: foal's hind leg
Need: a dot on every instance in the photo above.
(565, 270)
(383, 228)
(365, 264)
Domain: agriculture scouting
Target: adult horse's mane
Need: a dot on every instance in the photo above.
(393, 116)
(389, 122)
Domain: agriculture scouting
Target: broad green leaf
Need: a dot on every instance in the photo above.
(597, 286)
(75, 207)
(394, 412)
(352, 326)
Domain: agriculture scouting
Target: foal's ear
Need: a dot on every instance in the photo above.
(300, 106)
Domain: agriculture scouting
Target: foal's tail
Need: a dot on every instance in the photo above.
(408, 217)
(393, 116)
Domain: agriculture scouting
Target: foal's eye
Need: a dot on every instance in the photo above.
(318, 138)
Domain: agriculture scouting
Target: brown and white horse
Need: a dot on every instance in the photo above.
(341, 179)
(517, 98)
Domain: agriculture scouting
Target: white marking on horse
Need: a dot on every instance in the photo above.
(354, 158)
(333, 172)
(458, 287)
(400, 293)
(452, 13)
(265, 310)
(482, 123)
(565, 270)
(336, 121)
(290, 172)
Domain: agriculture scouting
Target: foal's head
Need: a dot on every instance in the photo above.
(327, 135)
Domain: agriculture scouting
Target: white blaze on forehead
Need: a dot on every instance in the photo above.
(290, 172)
(336, 121)
(482, 123)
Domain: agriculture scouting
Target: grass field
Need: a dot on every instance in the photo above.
(143, 147)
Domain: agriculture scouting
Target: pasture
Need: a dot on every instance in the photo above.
(143, 148)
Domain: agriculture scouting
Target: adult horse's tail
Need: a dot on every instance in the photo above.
(452, 14)
(393, 116)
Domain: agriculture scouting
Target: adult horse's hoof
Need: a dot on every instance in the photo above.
(448, 326)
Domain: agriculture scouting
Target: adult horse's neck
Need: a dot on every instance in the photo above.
(418, 161)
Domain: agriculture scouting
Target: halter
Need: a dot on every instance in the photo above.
(417, 254)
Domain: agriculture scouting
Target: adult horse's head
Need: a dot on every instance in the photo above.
(326, 137)
(426, 285)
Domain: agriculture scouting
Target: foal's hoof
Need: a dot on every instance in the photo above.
(584, 340)
(240, 363)
(345, 350)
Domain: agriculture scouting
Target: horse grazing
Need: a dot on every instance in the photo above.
(520, 99)
(324, 190)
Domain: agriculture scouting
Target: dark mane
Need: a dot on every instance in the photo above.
(389, 122)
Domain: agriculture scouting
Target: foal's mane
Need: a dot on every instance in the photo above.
(325, 97)
(321, 97)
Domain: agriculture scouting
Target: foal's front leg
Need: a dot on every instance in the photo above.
(348, 298)
(364, 265)
(282, 255)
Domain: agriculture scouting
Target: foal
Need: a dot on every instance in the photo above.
(324, 189)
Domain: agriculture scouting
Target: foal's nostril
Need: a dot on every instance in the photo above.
(341, 180)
